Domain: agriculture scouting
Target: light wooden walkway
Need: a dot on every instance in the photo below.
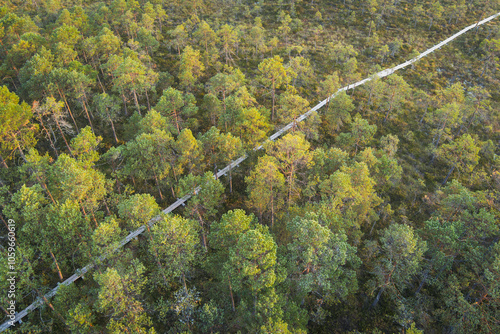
(80, 272)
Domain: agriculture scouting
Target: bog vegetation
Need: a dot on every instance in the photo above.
(378, 214)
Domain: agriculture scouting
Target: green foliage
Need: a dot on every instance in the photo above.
(118, 299)
(173, 243)
(361, 134)
(292, 154)
(137, 210)
(399, 255)
(251, 261)
(207, 83)
(191, 68)
(16, 131)
(317, 260)
(266, 187)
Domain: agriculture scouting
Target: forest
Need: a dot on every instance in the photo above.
(378, 213)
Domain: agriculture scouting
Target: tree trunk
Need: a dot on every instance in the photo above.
(177, 122)
(158, 185)
(231, 293)
(125, 104)
(387, 114)
(136, 102)
(114, 131)
(273, 96)
(449, 173)
(157, 258)
(51, 306)
(100, 83)
(57, 265)
(272, 207)
(88, 115)
(62, 134)
(203, 236)
(147, 99)
(20, 150)
(69, 109)
(375, 302)
(48, 135)
(4, 164)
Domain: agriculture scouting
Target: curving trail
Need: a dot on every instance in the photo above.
(80, 272)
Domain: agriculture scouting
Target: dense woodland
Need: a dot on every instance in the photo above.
(378, 214)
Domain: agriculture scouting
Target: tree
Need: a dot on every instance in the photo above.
(462, 258)
(303, 73)
(228, 38)
(221, 148)
(147, 158)
(340, 52)
(273, 75)
(349, 197)
(180, 37)
(318, 260)
(207, 192)
(256, 37)
(185, 306)
(400, 254)
(447, 117)
(292, 153)
(173, 244)
(65, 38)
(478, 107)
(35, 74)
(223, 236)
(76, 179)
(85, 146)
(462, 154)
(339, 113)
(48, 223)
(16, 130)
(225, 83)
(383, 165)
(435, 12)
(375, 89)
(225, 232)
(396, 91)
(178, 108)
(290, 107)
(207, 38)
(252, 261)
(329, 86)
(265, 187)
(232, 148)
(491, 50)
(118, 298)
(191, 152)
(108, 107)
(252, 127)
(284, 29)
(190, 68)
(58, 83)
(211, 106)
(361, 133)
(131, 76)
(137, 210)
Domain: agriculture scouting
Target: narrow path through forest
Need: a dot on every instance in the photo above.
(80, 272)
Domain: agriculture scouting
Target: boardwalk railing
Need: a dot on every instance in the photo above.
(80, 272)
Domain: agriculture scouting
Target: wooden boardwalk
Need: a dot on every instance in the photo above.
(80, 272)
